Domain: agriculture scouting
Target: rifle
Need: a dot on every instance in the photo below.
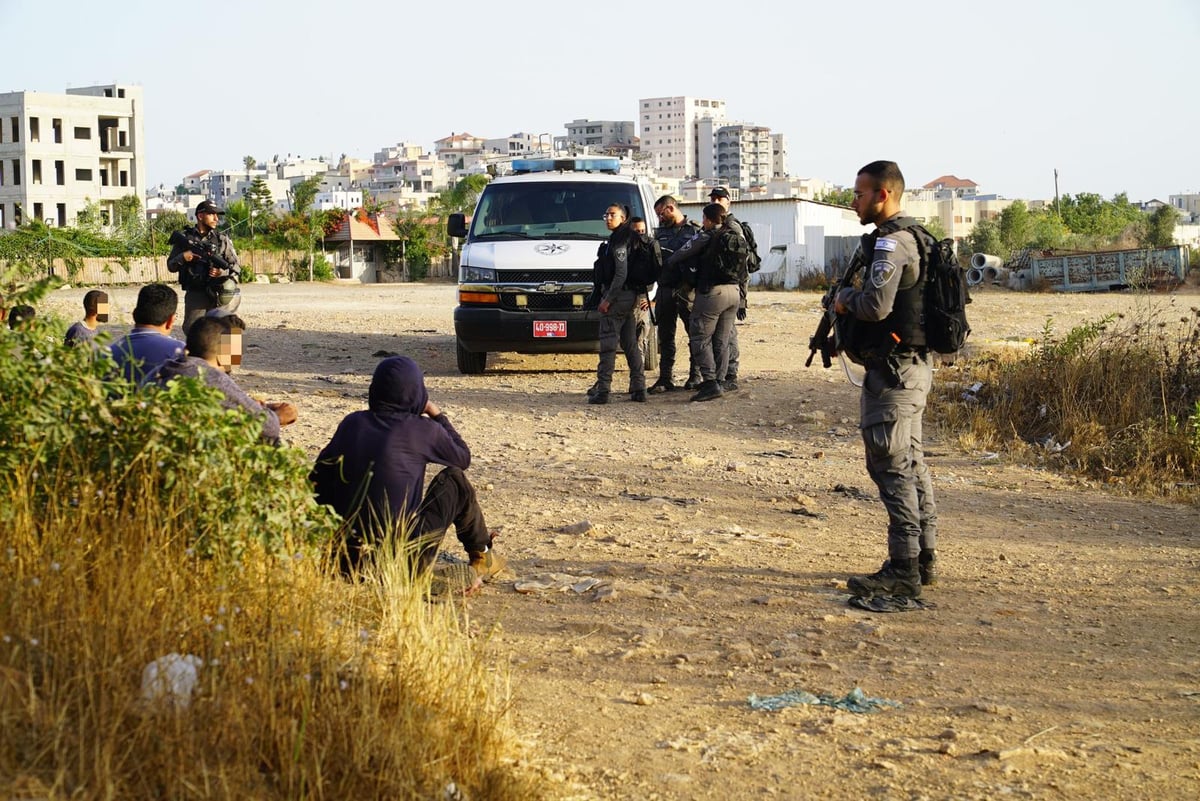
(823, 339)
(206, 257)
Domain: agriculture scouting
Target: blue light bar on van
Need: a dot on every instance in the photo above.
(609, 165)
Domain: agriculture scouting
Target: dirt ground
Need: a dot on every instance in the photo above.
(669, 560)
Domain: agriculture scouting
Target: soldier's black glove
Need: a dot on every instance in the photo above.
(741, 313)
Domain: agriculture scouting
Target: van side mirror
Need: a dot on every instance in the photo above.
(456, 224)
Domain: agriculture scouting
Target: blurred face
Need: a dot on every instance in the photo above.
(868, 200)
(640, 227)
(102, 312)
(229, 353)
(614, 217)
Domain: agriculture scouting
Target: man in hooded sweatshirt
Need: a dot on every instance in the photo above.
(373, 471)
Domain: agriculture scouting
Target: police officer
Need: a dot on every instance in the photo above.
(619, 310)
(729, 380)
(887, 338)
(674, 230)
(196, 278)
(712, 262)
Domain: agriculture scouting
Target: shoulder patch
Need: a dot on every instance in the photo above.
(883, 243)
(881, 273)
(621, 253)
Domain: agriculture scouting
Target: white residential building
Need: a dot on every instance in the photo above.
(1188, 206)
(598, 136)
(60, 152)
(669, 132)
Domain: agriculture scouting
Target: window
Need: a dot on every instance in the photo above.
(15, 124)
(83, 132)
(37, 212)
(83, 175)
(36, 177)
(35, 134)
(57, 125)
(60, 176)
(16, 172)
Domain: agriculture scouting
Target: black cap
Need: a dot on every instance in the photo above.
(719, 191)
(208, 207)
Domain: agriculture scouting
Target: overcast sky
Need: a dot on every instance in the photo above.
(1105, 92)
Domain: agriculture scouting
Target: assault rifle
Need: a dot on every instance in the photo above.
(824, 339)
(206, 256)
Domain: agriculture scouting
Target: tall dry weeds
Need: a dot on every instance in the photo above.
(1116, 399)
(308, 686)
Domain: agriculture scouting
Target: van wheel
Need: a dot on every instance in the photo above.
(648, 337)
(470, 363)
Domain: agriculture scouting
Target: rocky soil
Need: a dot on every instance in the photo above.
(669, 560)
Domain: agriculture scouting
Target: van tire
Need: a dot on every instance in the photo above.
(648, 336)
(469, 362)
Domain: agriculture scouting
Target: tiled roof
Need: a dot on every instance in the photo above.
(950, 182)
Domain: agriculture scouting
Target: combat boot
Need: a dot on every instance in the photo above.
(598, 397)
(896, 577)
(926, 566)
(487, 564)
(709, 390)
(638, 396)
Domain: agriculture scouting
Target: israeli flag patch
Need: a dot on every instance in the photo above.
(883, 243)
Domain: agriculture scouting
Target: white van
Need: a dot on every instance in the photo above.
(525, 280)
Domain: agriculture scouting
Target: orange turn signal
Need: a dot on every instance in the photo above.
(478, 297)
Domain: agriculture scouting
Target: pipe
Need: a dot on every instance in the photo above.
(994, 275)
(984, 260)
(974, 276)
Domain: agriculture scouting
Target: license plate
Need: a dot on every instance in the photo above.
(549, 329)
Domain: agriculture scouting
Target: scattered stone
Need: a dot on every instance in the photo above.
(645, 699)
(582, 527)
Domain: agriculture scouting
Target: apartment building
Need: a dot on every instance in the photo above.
(669, 135)
(599, 136)
(60, 152)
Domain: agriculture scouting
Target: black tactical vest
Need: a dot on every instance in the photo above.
(902, 330)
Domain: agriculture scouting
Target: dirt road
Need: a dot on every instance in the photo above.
(675, 559)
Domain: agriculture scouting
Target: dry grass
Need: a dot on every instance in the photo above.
(308, 686)
(1116, 400)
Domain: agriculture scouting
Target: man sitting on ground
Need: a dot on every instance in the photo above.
(209, 349)
(143, 350)
(373, 470)
(95, 311)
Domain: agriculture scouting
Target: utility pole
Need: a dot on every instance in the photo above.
(1057, 205)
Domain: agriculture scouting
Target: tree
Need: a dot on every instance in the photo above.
(935, 228)
(1016, 227)
(462, 196)
(1160, 228)
(258, 198)
(984, 238)
(249, 162)
(166, 223)
(129, 225)
(1096, 220)
(1048, 231)
(304, 193)
(842, 196)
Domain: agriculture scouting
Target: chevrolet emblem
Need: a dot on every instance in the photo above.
(549, 288)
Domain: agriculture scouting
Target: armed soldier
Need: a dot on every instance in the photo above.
(881, 327)
(720, 195)
(673, 232)
(207, 265)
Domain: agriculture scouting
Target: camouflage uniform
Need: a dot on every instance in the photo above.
(196, 298)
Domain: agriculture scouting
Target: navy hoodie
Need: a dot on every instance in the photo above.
(374, 467)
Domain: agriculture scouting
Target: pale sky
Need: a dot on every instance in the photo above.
(1106, 92)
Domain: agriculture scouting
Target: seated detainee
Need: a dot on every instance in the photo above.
(95, 311)
(373, 472)
(142, 351)
(209, 348)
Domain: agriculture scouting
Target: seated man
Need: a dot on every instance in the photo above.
(209, 350)
(95, 311)
(143, 350)
(373, 470)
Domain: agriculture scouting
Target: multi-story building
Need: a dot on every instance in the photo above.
(669, 132)
(61, 152)
(1188, 206)
(456, 149)
(598, 136)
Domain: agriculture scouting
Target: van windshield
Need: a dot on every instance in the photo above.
(551, 210)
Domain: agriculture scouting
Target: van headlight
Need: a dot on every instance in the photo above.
(473, 275)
